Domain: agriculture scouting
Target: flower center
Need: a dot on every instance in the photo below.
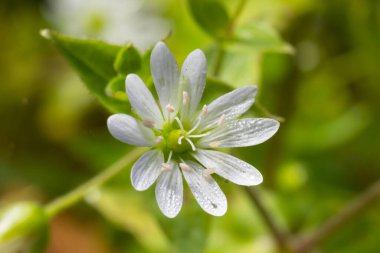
(175, 143)
(179, 140)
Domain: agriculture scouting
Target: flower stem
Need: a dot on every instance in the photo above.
(353, 208)
(220, 43)
(77, 194)
(278, 235)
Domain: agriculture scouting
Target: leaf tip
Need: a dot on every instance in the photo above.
(46, 33)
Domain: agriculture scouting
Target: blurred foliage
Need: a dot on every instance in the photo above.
(316, 65)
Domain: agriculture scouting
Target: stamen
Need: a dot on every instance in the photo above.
(191, 143)
(148, 123)
(214, 144)
(199, 135)
(221, 120)
(170, 108)
(204, 111)
(166, 167)
(208, 171)
(159, 139)
(185, 98)
(180, 139)
(170, 157)
(195, 126)
(184, 166)
(180, 124)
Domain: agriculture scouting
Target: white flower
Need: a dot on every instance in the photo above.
(182, 137)
(116, 21)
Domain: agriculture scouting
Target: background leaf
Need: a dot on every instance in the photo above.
(188, 232)
(211, 16)
(126, 209)
(93, 60)
(259, 36)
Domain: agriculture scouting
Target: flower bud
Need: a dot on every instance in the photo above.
(23, 228)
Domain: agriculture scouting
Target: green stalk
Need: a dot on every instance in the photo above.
(77, 194)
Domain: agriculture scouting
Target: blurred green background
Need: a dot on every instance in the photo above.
(53, 133)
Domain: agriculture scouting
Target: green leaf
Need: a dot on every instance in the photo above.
(211, 16)
(94, 62)
(260, 37)
(116, 88)
(188, 232)
(128, 60)
(127, 210)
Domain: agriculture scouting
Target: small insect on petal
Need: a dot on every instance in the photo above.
(184, 166)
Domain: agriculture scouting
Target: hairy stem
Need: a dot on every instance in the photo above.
(353, 208)
(77, 194)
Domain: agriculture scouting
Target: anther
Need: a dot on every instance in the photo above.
(221, 120)
(148, 123)
(170, 108)
(208, 172)
(166, 167)
(204, 111)
(214, 144)
(185, 98)
(184, 166)
(159, 139)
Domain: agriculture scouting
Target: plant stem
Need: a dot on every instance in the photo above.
(221, 52)
(219, 59)
(278, 235)
(352, 209)
(77, 194)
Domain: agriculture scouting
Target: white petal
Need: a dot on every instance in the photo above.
(240, 133)
(205, 190)
(146, 169)
(142, 100)
(229, 167)
(129, 130)
(165, 76)
(169, 191)
(193, 77)
(232, 105)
